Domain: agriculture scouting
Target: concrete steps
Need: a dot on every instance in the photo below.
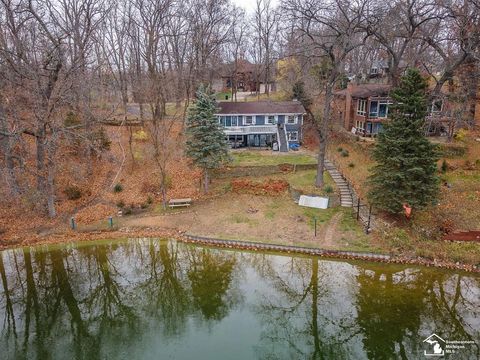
(346, 199)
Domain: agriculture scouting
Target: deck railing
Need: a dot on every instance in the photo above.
(253, 129)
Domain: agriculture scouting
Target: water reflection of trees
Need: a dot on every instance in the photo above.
(374, 311)
(92, 302)
(74, 301)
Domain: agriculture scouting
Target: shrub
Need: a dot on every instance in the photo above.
(339, 149)
(351, 165)
(140, 135)
(461, 134)
(73, 192)
(149, 200)
(121, 204)
(344, 153)
(118, 188)
(444, 166)
(328, 189)
(127, 211)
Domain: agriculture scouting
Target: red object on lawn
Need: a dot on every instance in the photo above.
(408, 210)
(463, 236)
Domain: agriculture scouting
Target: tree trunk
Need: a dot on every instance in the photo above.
(323, 132)
(51, 181)
(6, 148)
(205, 181)
(163, 190)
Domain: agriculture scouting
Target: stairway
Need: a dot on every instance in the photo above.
(346, 199)
(282, 138)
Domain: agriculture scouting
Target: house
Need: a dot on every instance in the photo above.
(275, 124)
(362, 109)
(242, 76)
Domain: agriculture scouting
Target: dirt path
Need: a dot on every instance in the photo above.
(330, 231)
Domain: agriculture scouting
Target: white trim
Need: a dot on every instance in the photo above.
(361, 110)
(275, 120)
(260, 114)
(295, 120)
(292, 132)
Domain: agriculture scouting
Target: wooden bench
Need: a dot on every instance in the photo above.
(179, 202)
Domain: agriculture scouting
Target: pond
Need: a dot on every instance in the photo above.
(159, 299)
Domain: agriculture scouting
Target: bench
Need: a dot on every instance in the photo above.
(179, 202)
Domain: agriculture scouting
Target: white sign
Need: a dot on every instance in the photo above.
(313, 201)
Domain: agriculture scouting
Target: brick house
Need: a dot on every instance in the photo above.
(362, 109)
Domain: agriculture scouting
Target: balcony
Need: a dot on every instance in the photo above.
(253, 129)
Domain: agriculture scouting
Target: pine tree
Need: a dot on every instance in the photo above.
(406, 160)
(206, 143)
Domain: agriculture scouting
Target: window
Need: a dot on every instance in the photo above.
(234, 121)
(360, 125)
(291, 119)
(248, 120)
(437, 105)
(361, 107)
(221, 120)
(271, 119)
(378, 109)
(292, 135)
(382, 110)
(373, 113)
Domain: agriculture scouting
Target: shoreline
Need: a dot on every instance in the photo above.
(72, 236)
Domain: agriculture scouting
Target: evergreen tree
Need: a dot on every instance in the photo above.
(406, 160)
(206, 143)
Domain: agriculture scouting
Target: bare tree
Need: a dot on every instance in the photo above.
(327, 32)
(266, 22)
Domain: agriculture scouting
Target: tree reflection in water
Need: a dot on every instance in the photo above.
(132, 298)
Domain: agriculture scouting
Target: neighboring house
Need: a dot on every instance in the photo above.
(275, 124)
(242, 76)
(362, 109)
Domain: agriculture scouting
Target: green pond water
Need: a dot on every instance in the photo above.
(158, 299)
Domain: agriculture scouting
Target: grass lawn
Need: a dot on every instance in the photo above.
(266, 157)
(273, 96)
(223, 94)
(305, 181)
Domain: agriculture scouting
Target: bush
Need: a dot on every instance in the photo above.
(127, 211)
(444, 166)
(344, 153)
(149, 200)
(121, 204)
(461, 134)
(140, 135)
(339, 149)
(73, 192)
(351, 165)
(328, 189)
(118, 188)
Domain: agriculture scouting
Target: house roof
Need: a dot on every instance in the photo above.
(261, 107)
(365, 90)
